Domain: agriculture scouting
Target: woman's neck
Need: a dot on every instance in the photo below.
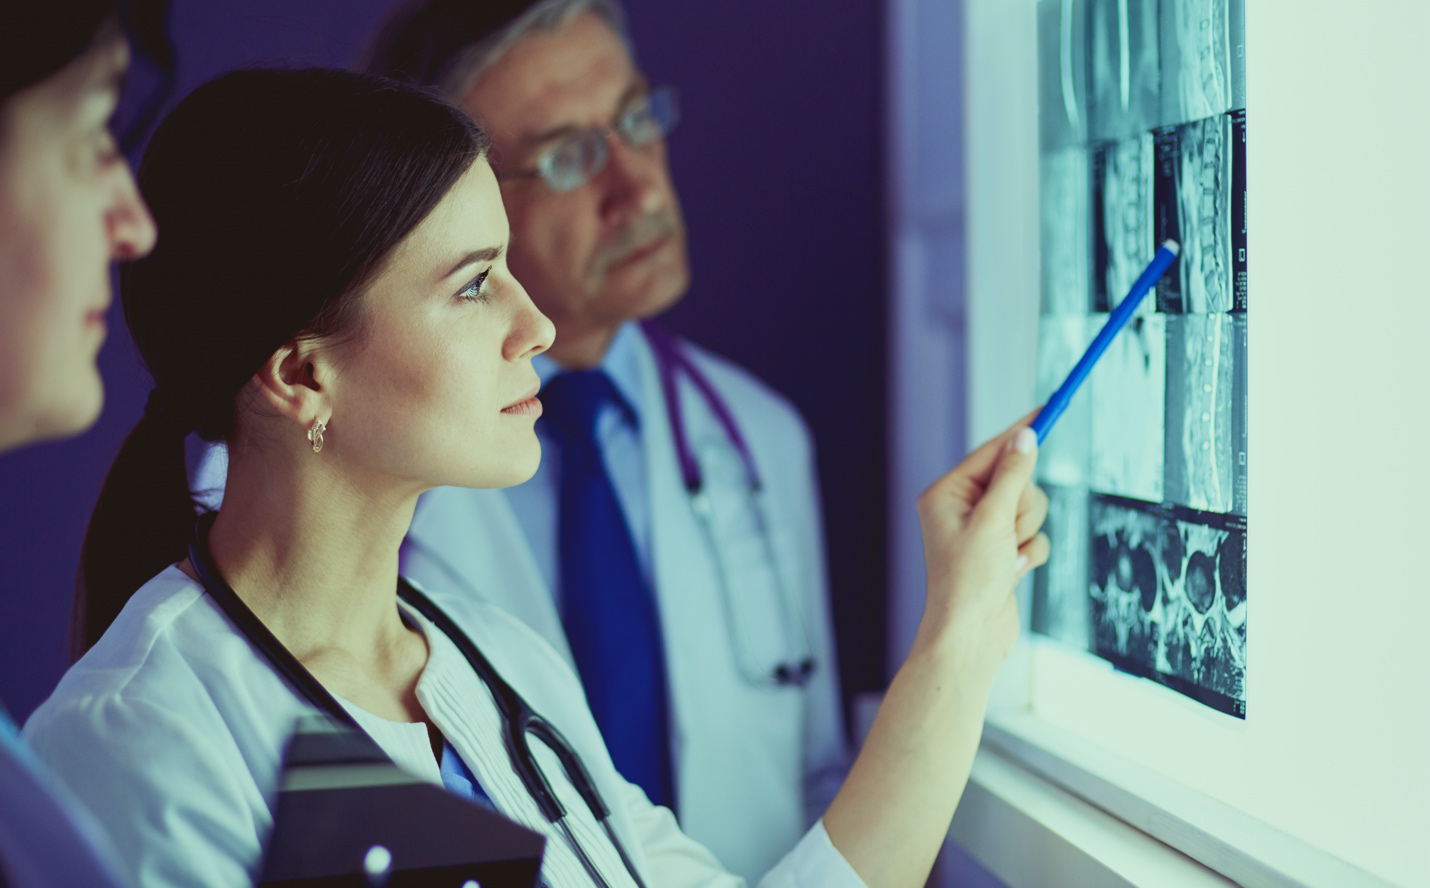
(313, 554)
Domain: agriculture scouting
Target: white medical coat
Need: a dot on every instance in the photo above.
(171, 730)
(46, 838)
(754, 765)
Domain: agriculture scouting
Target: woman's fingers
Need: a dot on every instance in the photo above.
(1013, 473)
(1033, 554)
(1032, 512)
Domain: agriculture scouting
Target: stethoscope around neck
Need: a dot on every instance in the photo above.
(798, 664)
(520, 723)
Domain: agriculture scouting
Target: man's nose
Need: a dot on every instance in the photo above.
(634, 177)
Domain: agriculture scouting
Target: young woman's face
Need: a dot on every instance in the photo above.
(437, 387)
(68, 208)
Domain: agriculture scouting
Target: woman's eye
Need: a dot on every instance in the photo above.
(473, 292)
(106, 146)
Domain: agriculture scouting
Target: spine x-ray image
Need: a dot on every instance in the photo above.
(1143, 139)
(1194, 190)
(1206, 412)
(1196, 58)
(1122, 219)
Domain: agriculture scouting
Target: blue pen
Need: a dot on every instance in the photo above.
(1166, 255)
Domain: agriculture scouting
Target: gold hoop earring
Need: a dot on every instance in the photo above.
(315, 435)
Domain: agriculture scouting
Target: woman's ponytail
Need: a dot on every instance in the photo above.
(141, 524)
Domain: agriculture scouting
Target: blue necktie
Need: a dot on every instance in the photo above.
(609, 613)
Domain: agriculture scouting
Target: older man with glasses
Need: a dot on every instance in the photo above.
(670, 544)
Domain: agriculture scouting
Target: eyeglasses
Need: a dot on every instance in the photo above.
(577, 160)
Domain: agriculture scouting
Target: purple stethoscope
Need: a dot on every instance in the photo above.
(797, 663)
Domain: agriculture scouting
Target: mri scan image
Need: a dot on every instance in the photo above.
(1125, 76)
(1196, 59)
(1061, 606)
(1064, 221)
(1062, 73)
(1168, 597)
(1122, 214)
(1128, 392)
(1204, 214)
(1206, 413)
(1065, 457)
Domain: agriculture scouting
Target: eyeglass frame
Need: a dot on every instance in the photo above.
(596, 139)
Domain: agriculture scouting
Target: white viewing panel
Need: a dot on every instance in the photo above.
(1322, 760)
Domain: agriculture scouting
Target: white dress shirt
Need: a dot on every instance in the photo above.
(171, 729)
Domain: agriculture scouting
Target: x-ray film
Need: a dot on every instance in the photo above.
(1238, 210)
(1195, 55)
(1064, 232)
(1236, 28)
(1124, 92)
(1129, 410)
(1062, 73)
(1143, 139)
(1061, 606)
(1065, 457)
(1242, 418)
(1122, 220)
(1206, 412)
(1204, 214)
(1168, 590)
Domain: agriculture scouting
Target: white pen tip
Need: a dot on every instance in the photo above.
(1171, 245)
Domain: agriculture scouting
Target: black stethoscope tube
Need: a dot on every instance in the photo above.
(519, 720)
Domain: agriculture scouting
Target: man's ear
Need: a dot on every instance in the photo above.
(290, 381)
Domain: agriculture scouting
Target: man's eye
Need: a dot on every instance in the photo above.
(473, 292)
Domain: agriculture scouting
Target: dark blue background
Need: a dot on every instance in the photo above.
(778, 165)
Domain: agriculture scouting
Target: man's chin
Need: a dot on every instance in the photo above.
(651, 293)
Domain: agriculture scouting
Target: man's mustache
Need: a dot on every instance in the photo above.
(637, 234)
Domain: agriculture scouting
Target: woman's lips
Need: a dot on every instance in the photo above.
(525, 407)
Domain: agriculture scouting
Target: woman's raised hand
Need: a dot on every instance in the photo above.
(981, 528)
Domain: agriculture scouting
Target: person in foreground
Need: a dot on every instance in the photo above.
(705, 643)
(334, 301)
(68, 208)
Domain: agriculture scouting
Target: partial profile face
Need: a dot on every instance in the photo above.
(436, 386)
(613, 249)
(68, 208)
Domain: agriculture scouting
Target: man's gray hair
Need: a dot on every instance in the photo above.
(447, 44)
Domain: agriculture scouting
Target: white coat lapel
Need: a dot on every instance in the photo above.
(681, 562)
(475, 537)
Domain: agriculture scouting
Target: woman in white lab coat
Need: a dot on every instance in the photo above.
(332, 300)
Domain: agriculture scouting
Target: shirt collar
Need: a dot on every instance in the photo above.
(621, 363)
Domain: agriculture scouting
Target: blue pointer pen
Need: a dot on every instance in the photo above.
(1166, 255)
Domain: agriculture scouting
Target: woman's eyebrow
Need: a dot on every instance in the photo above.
(486, 254)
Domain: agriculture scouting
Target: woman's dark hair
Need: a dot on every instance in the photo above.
(278, 194)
